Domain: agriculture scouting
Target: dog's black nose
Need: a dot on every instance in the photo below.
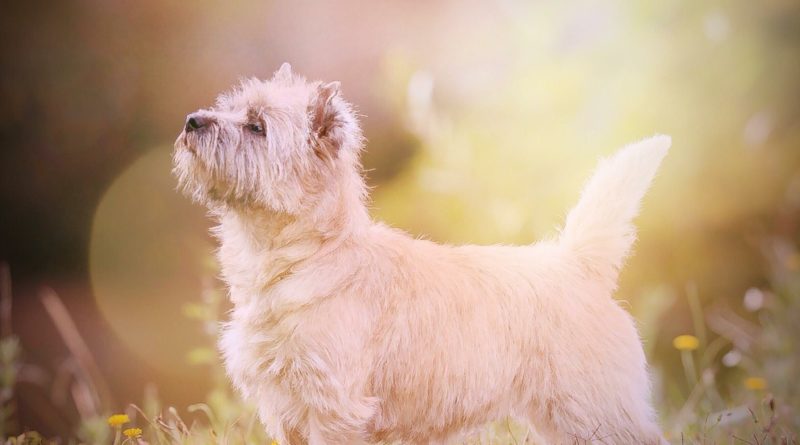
(195, 121)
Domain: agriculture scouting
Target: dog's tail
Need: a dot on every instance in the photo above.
(599, 231)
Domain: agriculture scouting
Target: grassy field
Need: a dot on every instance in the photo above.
(758, 405)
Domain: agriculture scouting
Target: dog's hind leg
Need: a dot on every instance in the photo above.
(613, 420)
(599, 392)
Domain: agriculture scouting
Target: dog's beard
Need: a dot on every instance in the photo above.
(213, 169)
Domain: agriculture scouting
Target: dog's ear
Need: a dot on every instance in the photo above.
(324, 115)
(284, 73)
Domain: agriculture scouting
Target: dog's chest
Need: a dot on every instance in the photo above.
(254, 350)
(246, 270)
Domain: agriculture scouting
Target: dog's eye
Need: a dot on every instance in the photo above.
(256, 128)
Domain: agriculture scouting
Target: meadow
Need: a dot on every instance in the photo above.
(757, 403)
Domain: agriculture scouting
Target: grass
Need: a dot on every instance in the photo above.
(739, 378)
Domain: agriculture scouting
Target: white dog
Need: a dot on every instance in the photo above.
(346, 331)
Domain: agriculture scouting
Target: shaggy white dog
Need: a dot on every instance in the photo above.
(346, 331)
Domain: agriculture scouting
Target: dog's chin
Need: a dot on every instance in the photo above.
(182, 143)
(197, 183)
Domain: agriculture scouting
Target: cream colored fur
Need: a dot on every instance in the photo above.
(346, 331)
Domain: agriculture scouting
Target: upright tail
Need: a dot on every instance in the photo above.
(599, 230)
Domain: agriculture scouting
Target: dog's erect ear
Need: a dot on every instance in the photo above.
(323, 116)
(284, 73)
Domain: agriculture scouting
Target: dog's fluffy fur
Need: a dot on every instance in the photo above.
(345, 331)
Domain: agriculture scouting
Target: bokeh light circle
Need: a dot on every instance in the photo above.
(149, 252)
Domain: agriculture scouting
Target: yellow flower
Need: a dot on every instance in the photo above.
(274, 442)
(118, 420)
(132, 432)
(755, 383)
(686, 342)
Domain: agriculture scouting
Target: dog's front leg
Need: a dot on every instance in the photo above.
(336, 409)
(320, 432)
(339, 421)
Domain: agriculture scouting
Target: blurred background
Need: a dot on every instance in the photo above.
(483, 120)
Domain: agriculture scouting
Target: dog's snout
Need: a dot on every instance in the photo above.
(195, 121)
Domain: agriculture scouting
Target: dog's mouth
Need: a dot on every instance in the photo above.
(183, 143)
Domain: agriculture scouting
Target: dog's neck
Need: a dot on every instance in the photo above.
(281, 240)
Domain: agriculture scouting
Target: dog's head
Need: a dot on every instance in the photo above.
(280, 144)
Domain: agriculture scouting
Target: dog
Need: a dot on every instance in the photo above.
(346, 331)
